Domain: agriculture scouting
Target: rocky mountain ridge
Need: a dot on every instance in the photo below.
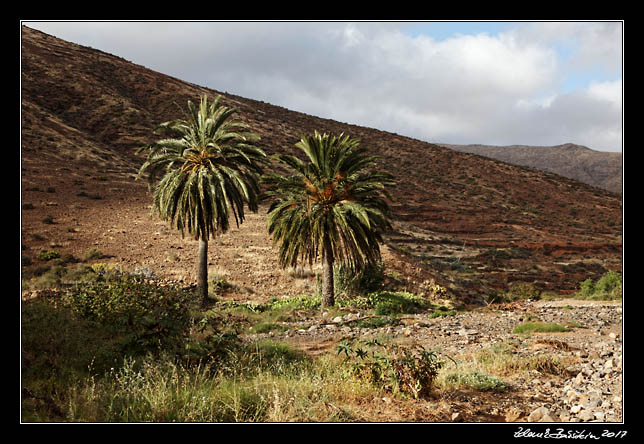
(597, 168)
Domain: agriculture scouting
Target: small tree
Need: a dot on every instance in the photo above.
(210, 168)
(332, 206)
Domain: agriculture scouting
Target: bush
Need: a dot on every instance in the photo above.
(144, 316)
(522, 290)
(93, 253)
(608, 287)
(218, 285)
(409, 370)
(398, 302)
(47, 255)
(516, 291)
(58, 344)
(359, 282)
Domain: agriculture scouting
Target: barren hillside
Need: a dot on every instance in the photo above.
(597, 168)
(473, 224)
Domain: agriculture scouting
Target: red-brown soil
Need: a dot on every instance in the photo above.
(472, 224)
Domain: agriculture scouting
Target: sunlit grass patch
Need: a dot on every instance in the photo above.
(540, 327)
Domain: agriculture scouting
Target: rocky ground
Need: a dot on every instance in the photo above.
(119, 226)
(589, 390)
(472, 225)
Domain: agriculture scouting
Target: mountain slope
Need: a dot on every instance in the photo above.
(597, 168)
(471, 223)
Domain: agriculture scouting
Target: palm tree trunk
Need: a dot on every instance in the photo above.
(202, 272)
(328, 292)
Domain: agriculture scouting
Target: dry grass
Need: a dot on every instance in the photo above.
(487, 369)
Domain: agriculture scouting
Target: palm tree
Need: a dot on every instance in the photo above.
(332, 206)
(210, 168)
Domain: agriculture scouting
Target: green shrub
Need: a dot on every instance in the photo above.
(608, 287)
(265, 327)
(93, 253)
(360, 282)
(522, 290)
(409, 370)
(217, 285)
(47, 255)
(244, 306)
(144, 316)
(398, 302)
(608, 283)
(57, 344)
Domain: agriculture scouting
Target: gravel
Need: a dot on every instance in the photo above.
(589, 391)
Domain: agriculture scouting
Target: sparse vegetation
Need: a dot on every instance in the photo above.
(608, 287)
(442, 313)
(103, 343)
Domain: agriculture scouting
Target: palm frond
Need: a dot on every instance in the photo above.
(336, 197)
(208, 170)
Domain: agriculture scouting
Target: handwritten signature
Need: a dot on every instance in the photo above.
(567, 434)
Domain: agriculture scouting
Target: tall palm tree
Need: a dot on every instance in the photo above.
(332, 206)
(210, 168)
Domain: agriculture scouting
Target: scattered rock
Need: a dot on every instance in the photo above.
(586, 416)
(589, 388)
(541, 414)
(576, 409)
(513, 414)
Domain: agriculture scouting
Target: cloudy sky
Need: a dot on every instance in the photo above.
(496, 83)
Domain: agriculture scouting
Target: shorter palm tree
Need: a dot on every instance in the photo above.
(210, 168)
(332, 207)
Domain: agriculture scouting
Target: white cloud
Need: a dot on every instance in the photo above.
(478, 88)
(608, 91)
